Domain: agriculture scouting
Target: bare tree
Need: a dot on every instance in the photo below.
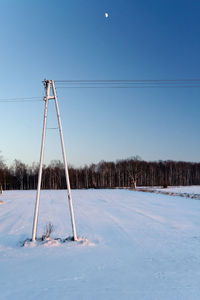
(134, 169)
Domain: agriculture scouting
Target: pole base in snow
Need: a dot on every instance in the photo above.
(52, 242)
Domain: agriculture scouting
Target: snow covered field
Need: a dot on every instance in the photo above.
(141, 246)
(193, 189)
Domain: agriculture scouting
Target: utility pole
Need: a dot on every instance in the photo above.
(50, 86)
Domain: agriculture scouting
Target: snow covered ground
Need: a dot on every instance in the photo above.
(141, 246)
(193, 189)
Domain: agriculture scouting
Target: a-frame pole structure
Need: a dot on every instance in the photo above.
(50, 85)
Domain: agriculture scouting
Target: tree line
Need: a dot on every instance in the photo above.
(124, 173)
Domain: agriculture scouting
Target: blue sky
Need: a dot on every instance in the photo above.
(74, 40)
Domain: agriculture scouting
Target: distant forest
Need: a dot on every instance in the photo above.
(130, 173)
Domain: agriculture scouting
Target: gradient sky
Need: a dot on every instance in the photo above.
(72, 39)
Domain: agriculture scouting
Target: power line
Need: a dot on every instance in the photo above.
(113, 84)
(128, 87)
(21, 99)
(127, 80)
(16, 101)
(129, 83)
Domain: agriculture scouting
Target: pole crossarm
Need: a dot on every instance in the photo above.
(50, 86)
